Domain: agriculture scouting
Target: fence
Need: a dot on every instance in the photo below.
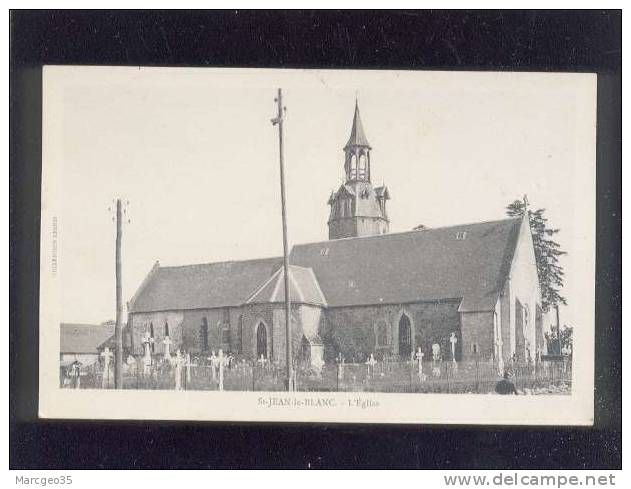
(389, 376)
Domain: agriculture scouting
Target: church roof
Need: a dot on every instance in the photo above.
(204, 286)
(357, 137)
(83, 338)
(468, 262)
(303, 288)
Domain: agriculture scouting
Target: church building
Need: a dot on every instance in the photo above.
(363, 291)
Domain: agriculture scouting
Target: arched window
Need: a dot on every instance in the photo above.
(353, 168)
(151, 333)
(361, 172)
(166, 328)
(382, 335)
(203, 335)
(261, 341)
(405, 337)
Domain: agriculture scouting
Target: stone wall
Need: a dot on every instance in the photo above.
(477, 336)
(351, 330)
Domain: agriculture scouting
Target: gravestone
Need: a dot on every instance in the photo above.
(419, 358)
(167, 348)
(107, 355)
(178, 370)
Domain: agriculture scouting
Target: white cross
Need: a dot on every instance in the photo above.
(221, 364)
(167, 348)
(453, 340)
(107, 354)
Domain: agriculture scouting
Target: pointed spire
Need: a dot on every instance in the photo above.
(358, 137)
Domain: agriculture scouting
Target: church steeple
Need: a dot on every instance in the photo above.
(358, 209)
(357, 151)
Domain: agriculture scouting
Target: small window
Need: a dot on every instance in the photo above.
(474, 348)
(351, 284)
(324, 251)
(166, 328)
(460, 235)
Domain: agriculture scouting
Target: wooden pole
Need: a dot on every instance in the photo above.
(118, 331)
(279, 120)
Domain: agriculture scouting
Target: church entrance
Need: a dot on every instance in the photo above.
(405, 337)
(261, 341)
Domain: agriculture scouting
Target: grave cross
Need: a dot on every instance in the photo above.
(221, 365)
(167, 348)
(453, 340)
(419, 358)
(106, 354)
(188, 366)
(178, 370)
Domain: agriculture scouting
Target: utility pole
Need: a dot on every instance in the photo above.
(278, 120)
(118, 330)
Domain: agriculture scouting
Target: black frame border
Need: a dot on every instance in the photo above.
(525, 40)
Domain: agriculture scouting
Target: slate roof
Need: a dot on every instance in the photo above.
(426, 265)
(414, 266)
(83, 338)
(357, 137)
(204, 286)
(303, 288)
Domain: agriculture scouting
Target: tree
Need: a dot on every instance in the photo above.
(547, 253)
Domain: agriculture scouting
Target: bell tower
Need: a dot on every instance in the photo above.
(358, 209)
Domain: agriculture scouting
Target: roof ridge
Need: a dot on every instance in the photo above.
(411, 231)
(224, 262)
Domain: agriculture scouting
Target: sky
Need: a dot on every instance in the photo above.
(195, 154)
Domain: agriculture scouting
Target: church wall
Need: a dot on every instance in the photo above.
(254, 314)
(342, 228)
(506, 320)
(352, 330)
(192, 327)
(524, 287)
(477, 336)
(306, 321)
(368, 226)
(140, 324)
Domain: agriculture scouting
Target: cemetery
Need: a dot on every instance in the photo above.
(434, 372)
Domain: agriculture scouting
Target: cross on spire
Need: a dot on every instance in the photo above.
(525, 202)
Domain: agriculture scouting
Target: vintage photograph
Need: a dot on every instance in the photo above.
(407, 243)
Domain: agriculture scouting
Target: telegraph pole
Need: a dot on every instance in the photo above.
(278, 120)
(118, 330)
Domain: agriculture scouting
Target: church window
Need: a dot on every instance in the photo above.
(353, 172)
(166, 328)
(361, 172)
(153, 343)
(474, 348)
(383, 334)
(204, 334)
(324, 251)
